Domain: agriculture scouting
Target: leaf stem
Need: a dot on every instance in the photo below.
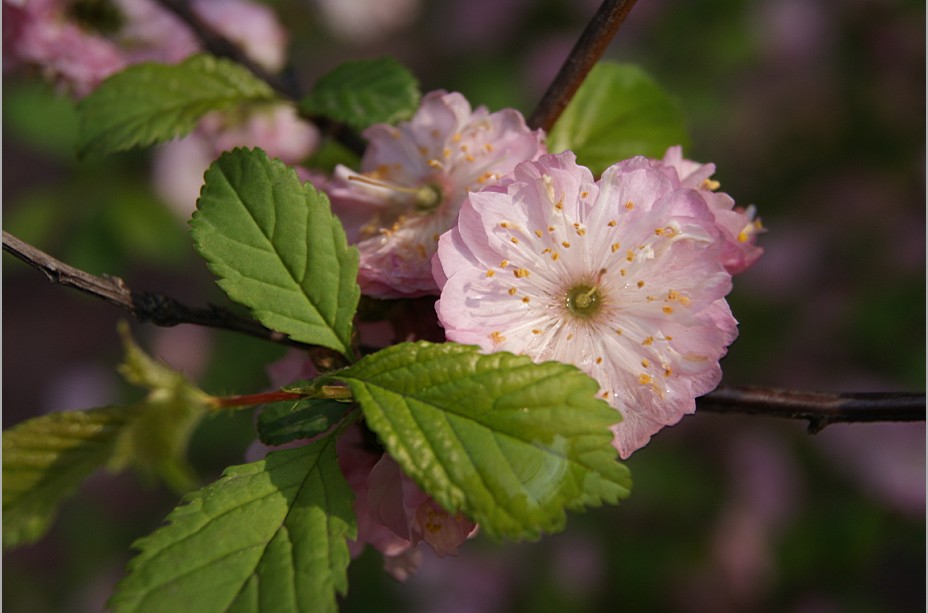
(250, 400)
(586, 52)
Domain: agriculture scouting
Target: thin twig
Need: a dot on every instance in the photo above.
(820, 409)
(589, 48)
(147, 307)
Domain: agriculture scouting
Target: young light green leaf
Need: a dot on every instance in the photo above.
(156, 441)
(46, 458)
(619, 112)
(151, 103)
(267, 536)
(277, 248)
(283, 422)
(508, 442)
(364, 92)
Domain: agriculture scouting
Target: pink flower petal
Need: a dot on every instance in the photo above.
(527, 260)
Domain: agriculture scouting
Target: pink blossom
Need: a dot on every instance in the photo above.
(620, 277)
(253, 26)
(364, 21)
(35, 33)
(413, 179)
(78, 56)
(179, 165)
(739, 226)
(393, 514)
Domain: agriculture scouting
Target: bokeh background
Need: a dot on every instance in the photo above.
(814, 110)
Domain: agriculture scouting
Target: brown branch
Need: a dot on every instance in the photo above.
(820, 409)
(147, 307)
(589, 48)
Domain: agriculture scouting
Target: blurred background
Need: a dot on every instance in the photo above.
(813, 110)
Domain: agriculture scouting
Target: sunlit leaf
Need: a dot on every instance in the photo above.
(509, 442)
(267, 536)
(151, 103)
(46, 458)
(277, 248)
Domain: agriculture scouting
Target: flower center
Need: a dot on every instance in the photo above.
(584, 301)
(428, 197)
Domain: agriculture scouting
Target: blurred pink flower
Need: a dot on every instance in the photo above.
(739, 226)
(620, 277)
(393, 514)
(36, 33)
(78, 55)
(413, 179)
(179, 165)
(363, 21)
(253, 26)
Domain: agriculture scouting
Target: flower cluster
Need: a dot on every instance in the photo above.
(624, 277)
(412, 181)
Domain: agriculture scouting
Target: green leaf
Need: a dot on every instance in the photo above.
(283, 422)
(277, 248)
(151, 103)
(364, 92)
(619, 112)
(155, 442)
(267, 536)
(46, 458)
(509, 442)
